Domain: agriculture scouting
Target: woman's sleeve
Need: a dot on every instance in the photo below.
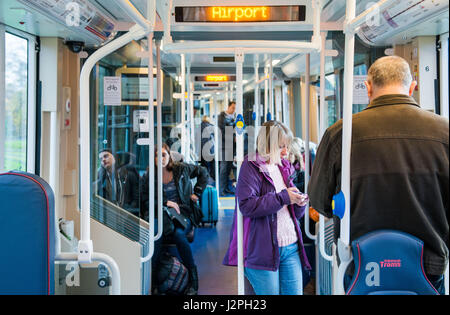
(248, 191)
(199, 172)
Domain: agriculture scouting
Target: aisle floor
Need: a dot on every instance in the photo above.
(209, 248)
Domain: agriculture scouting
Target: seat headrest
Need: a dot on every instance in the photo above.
(389, 262)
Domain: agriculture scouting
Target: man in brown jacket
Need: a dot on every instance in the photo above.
(399, 167)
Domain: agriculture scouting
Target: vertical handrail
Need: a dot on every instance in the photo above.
(271, 96)
(183, 105)
(344, 250)
(307, 138)
(446, 280)
(257, 97)
(239, 158)
(322, 239)
(159, 139)
(151, 155)
(217, 147)
(151, 14)
(322, 129)
(187, 98)
(266, 94)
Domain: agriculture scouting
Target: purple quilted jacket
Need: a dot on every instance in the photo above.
(259, 203)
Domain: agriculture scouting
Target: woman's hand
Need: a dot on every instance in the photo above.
(296, 197)
(172, 204)
(194, 198)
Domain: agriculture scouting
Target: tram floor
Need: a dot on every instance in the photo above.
(209, 248)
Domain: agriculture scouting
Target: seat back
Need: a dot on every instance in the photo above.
(27, 235)
(389, 262)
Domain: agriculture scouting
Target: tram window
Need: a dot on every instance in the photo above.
(13, 136)
(330, 99)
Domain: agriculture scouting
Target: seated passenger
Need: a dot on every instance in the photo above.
(179, 195)
(271, 206)
(129, 179)
(399, 166)
(108, 185)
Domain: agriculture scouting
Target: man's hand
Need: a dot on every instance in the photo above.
(194, 198)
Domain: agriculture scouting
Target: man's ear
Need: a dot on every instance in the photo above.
(369, 89)
(412, 87)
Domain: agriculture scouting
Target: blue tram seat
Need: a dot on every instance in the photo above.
(389, 263)
(27, 235)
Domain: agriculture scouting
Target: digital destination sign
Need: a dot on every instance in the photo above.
(215, 78)
(240, 14)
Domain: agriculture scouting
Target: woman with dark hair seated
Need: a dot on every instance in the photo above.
(179, 195)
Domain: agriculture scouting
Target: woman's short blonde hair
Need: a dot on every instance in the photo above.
(270, 136)
(295, 152)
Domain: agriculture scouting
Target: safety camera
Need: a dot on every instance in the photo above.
(75, 46)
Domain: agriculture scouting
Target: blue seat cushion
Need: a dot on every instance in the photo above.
(27, 234)
(389, 262)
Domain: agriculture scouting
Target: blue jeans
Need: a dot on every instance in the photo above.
(287, 280)
(184, 248)
(180, 240)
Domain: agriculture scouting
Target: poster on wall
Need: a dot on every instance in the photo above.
(112, 91)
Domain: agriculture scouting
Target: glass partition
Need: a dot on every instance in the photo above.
(119, 191)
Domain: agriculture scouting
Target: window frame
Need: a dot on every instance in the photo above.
(31, 94)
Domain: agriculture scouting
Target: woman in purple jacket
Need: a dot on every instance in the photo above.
(271, 206)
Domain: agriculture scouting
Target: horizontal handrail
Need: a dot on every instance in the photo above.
(98, 257)
(247, 47)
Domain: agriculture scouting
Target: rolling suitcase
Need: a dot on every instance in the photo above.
(210, 206)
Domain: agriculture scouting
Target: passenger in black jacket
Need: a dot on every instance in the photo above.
(399, 167)
(226, 122)
(179, 195)
(207, 146)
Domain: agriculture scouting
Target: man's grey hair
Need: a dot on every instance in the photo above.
(391, 70)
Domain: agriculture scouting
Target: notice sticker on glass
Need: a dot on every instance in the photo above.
(360, 96)
(112, 91)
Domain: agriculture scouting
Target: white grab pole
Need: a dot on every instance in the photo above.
(217, 158)
(322, 239)
(347, 121)
(266, 93)
(183, 106)
(239, 158)
(322, 129)
(257, 97)
(134, 13)
(187, 129)
(343, 246)
(151, 155)
(307, 139)
(159, 139)
(323, 106)
(446, 280)
(271, 96)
